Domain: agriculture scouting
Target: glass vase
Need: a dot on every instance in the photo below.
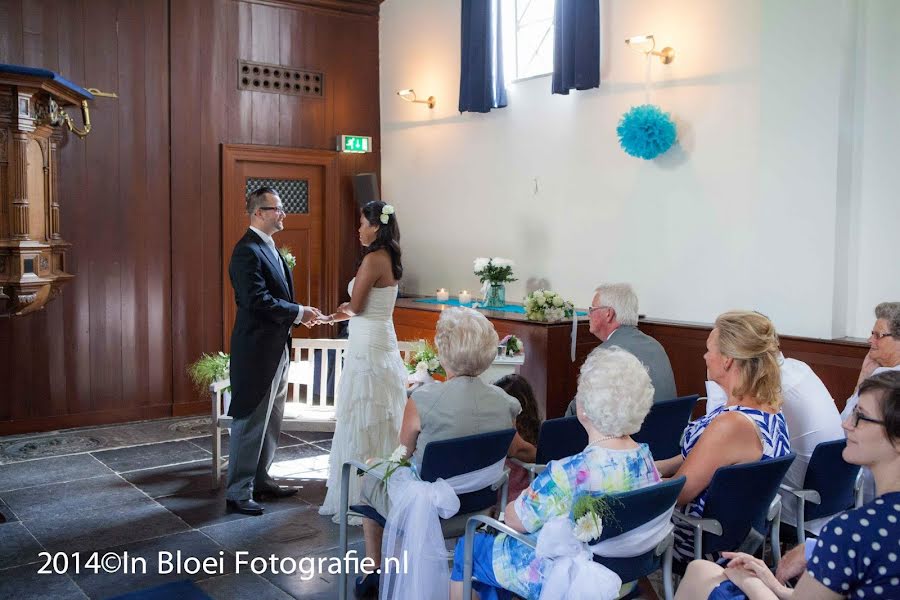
(496, 296)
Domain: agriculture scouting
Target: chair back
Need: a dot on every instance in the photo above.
(560, 438)
(664, 425)
(739, 497)
(629, 510)
(833, 477)
(447, 458)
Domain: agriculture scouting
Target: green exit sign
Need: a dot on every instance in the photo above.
(355, 143)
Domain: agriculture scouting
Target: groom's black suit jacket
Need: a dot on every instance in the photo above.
(264, 294)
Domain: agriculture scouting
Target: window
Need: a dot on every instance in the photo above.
(527, 38)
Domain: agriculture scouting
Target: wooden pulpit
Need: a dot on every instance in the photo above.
(32, 250)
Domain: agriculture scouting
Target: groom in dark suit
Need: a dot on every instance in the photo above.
(260, 346)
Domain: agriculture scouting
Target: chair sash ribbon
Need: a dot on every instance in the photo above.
(413, 535)
(572, 573)
(639, 540)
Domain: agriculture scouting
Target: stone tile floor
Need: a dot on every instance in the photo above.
(132, 491)
(139, 489)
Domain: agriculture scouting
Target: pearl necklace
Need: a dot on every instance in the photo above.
(604, 439)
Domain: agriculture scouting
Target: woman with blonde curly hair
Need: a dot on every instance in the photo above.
(742, 357)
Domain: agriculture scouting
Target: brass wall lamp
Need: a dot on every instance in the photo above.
(647, 45)
(410, 96)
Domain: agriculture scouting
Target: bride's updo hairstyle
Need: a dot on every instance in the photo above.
(388, 235)
(750, 339)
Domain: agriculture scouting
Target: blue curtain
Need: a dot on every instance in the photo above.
(576, 45)
(481, 85)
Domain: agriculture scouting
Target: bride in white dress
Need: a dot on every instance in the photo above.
(371, 394)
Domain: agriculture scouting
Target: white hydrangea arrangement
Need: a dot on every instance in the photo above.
(547, 306)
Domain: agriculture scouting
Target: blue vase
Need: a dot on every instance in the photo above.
(496, 296)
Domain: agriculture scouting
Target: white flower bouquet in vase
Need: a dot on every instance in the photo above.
(494, 273)
(547, 306)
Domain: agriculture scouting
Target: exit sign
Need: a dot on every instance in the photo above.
(354, 143)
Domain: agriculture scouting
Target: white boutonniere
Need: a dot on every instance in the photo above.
(285, 252)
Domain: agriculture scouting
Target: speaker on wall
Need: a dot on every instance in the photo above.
(365, 188)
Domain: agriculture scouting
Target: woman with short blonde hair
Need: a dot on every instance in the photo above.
(742, 357)
(466, 341)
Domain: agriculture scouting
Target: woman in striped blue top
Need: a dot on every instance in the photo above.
(742, 357)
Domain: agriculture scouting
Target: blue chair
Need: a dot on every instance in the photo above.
(442, 459)
(629, 510)
(831, 485)
(557, 438)
(742, 504)
(664, 425)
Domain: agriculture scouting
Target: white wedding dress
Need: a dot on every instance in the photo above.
(371, 395)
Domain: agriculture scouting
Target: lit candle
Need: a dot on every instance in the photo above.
(442, 295)
(465, 297)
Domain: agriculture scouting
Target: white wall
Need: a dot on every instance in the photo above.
(765, 203)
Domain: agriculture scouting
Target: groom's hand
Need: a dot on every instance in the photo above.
(310, 314)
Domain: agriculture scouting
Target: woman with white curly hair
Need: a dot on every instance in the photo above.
(614, 395)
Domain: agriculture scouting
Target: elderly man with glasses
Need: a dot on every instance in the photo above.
(613, 319)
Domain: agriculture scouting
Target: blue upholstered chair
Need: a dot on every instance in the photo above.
(831, 485)
(557, 438)
(742, 505)
(664, 425)
(442, 459)
(629, 510)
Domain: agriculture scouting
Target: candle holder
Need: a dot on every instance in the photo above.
(442, 295)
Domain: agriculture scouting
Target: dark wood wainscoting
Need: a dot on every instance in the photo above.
(140, 197)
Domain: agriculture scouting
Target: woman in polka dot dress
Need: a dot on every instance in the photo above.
(857, 554)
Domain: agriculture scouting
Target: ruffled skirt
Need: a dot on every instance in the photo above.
(369, 410)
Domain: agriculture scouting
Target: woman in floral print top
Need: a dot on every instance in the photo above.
(614, 396)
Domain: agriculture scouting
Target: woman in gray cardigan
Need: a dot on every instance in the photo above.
(463, 405)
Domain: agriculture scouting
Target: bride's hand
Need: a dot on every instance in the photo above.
(344, 307)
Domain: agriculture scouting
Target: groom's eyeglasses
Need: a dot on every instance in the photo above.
(275, 208)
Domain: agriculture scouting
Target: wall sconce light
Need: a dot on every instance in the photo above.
(647, 45)
(410, 96)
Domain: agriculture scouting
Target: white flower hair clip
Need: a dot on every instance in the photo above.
(386, 211)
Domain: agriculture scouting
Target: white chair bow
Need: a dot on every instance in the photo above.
(412, 533)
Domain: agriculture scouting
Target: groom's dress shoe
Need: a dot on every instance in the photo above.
(247, 507)
(272, 490)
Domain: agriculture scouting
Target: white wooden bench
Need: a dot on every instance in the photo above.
(304, 410)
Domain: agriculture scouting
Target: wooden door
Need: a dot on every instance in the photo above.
(306, 182)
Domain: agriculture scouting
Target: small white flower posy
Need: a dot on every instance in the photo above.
(398, 455)
(588, 527)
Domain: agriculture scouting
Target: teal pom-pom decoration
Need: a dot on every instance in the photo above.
(646, 132)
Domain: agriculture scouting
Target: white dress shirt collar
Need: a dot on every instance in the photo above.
(265, 236)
